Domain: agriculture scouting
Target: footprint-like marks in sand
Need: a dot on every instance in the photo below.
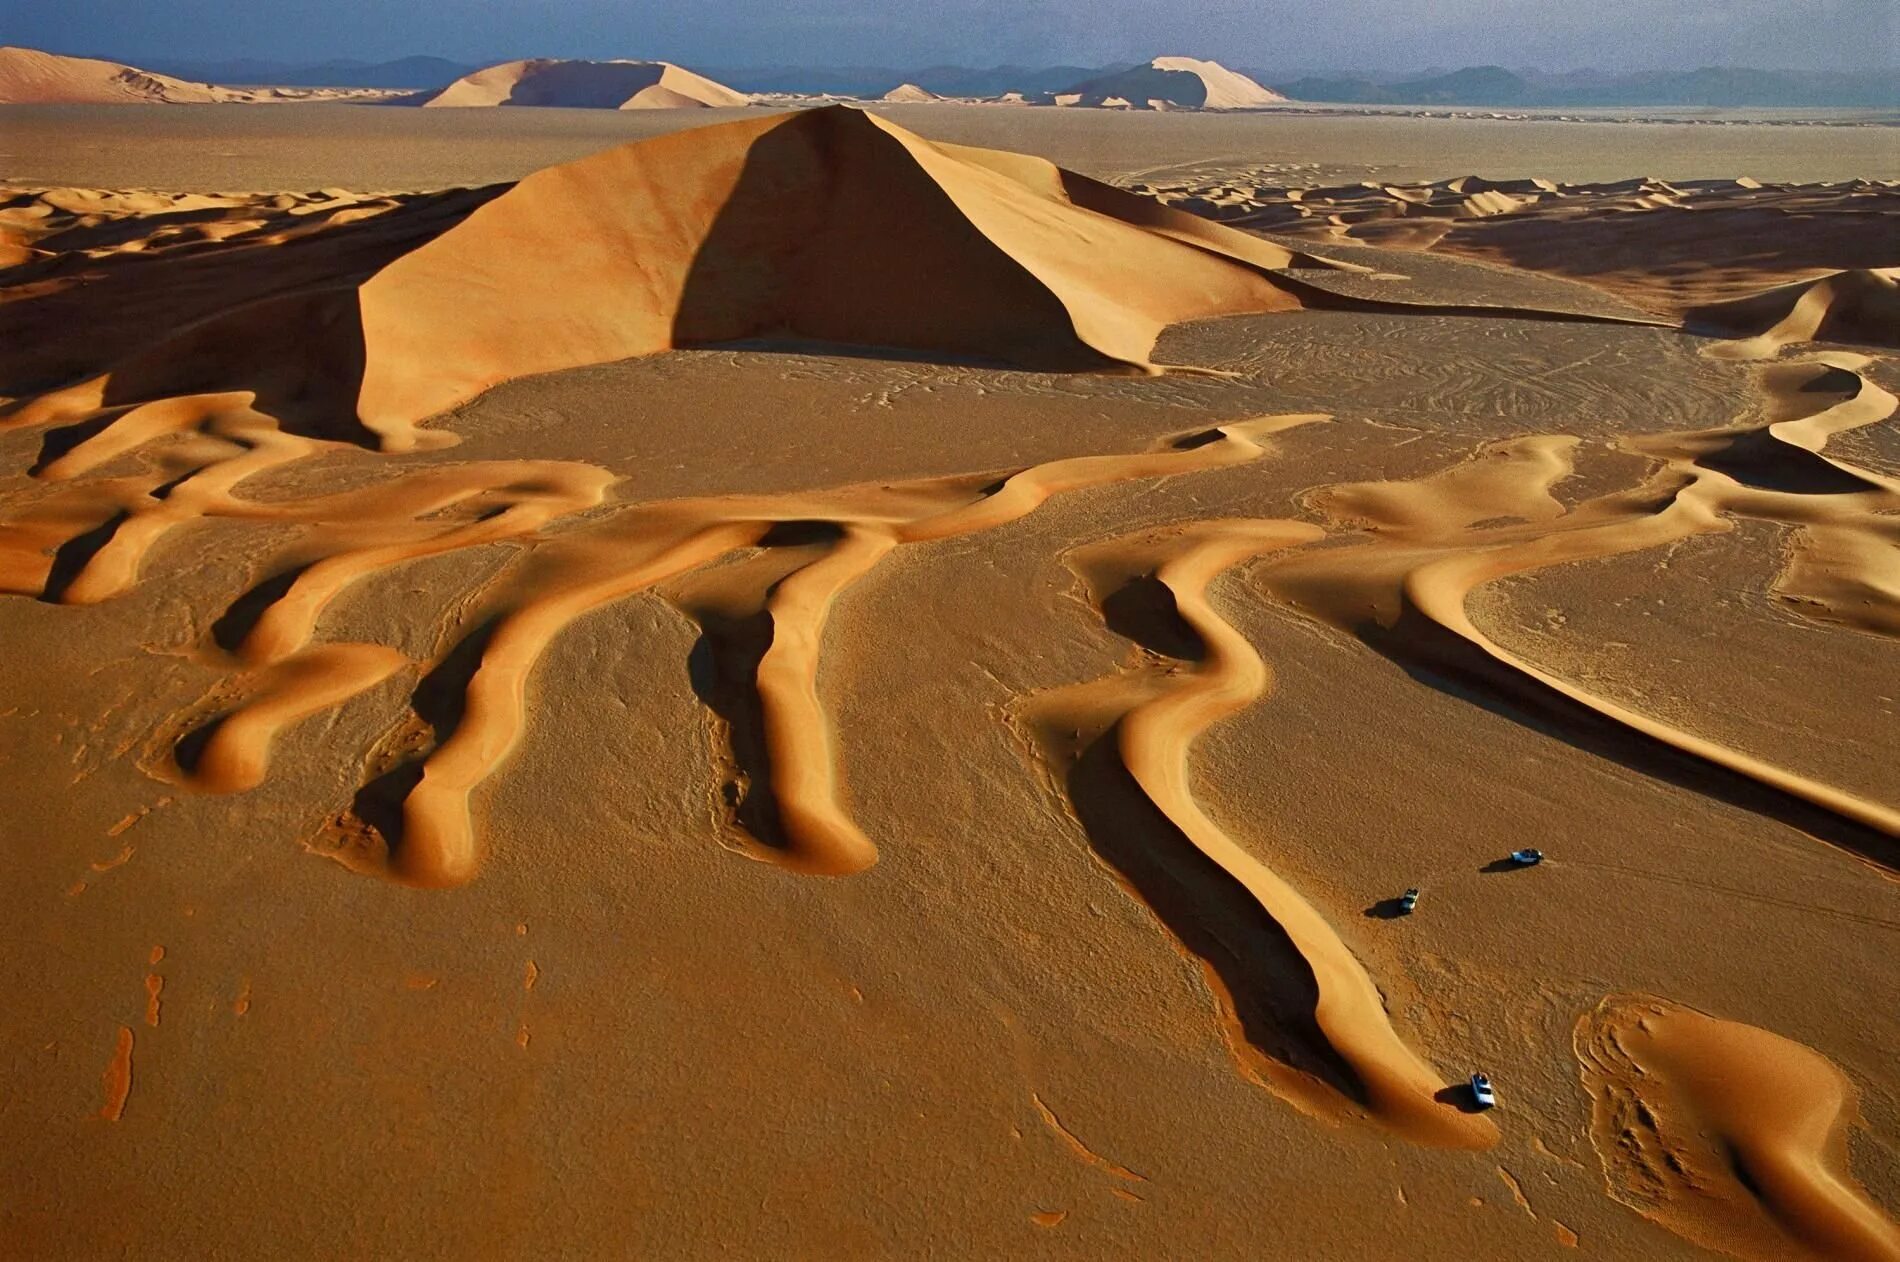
(1729, 1136)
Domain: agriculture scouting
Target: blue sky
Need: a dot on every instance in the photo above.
(1278, 35)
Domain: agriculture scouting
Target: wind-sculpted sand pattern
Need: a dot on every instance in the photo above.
(278, 677)
(1437, 541)
(1728, 1135)
(269, 500)
(1323, 1041)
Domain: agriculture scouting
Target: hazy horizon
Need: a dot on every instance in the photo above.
(1293, 36)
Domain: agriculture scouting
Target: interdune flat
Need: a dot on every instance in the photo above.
(796, 688)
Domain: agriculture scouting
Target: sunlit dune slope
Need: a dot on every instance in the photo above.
(28, 76)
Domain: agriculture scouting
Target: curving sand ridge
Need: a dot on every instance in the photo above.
(1151, 720)
(622, 85)
(812, 832)
(1858, 306)
(1728, 1135)
(1437, 553)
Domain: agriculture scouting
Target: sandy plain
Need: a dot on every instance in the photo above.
(782, 797)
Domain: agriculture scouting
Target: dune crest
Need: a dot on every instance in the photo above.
(612, 85)
(1728, 1135)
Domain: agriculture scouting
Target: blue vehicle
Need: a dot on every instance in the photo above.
(1527, 857)
(1481, 1091)
(1407, 901)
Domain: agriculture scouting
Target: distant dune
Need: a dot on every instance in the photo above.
(28, 77)
(31, 77)
(600, 85)
(1173, 83)
(910, 93)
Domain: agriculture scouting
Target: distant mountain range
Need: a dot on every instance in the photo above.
(1472, 85)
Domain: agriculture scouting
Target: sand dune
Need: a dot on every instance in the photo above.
(28, 76)
(601, 85)
(923, 247)
(910, 94)
(1099, 700)
(1856, 307)
(1680, 249)
(1728, 1135)
(1172, 83)
(31, 77)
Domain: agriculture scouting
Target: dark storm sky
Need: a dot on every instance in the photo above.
(1271, 34)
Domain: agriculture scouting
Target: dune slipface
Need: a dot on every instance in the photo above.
(605, 85)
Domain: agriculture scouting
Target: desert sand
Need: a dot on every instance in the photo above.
(795, 687)
(31, 77)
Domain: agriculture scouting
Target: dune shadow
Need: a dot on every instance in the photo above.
(61, 440)
(1459, 1096)
(1210, 913)
(71, 557)
(1760, 460)
(722, 668)
(835, 240)
(1144, 610)
(1446, 662)
(188, 752)
(241, 616)
(440, 700)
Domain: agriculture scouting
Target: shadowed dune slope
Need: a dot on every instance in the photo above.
(602, 85)
(1860, 306)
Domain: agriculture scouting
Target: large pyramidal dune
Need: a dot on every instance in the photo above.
(1174, 83)
(829, 225)
(601, 85)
